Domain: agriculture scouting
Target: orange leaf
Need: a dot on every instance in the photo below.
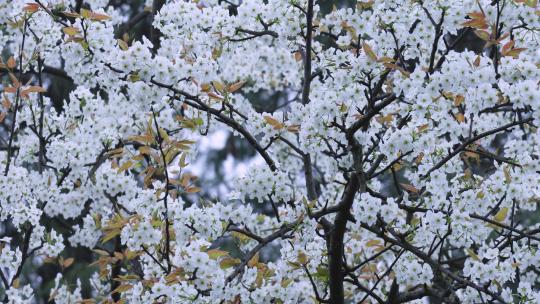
(477, 23)
(460, 117)
(515, 52)
(507, 47)
(459, 99)
(274, 122)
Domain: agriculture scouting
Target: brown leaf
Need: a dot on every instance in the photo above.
(87, 14)
(476, 62)
(369, 51)
(410, 188)
(6, 103)
(297, 56)
(458, 100)
(215, 96)
(68, 262)
(11, 63)
(235, 86)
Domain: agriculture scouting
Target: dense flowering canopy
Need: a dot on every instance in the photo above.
(400, 167)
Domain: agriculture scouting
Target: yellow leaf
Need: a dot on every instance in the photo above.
(418, 159)
(531, 3)
(122, 288)
(386, 59)
(364, 5)
(122, 44)
(71, 14)
(472, 254)
(373, 243)
(125, 166)
(214, 254)
(219, 86)
(130, 255)
(302, 258)
(228, 262)
(501, 215)
(205, 87)
(515, 52)
(109, 236)
(507, 176)
(70, 30)
(101, 252)
(385, 119)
